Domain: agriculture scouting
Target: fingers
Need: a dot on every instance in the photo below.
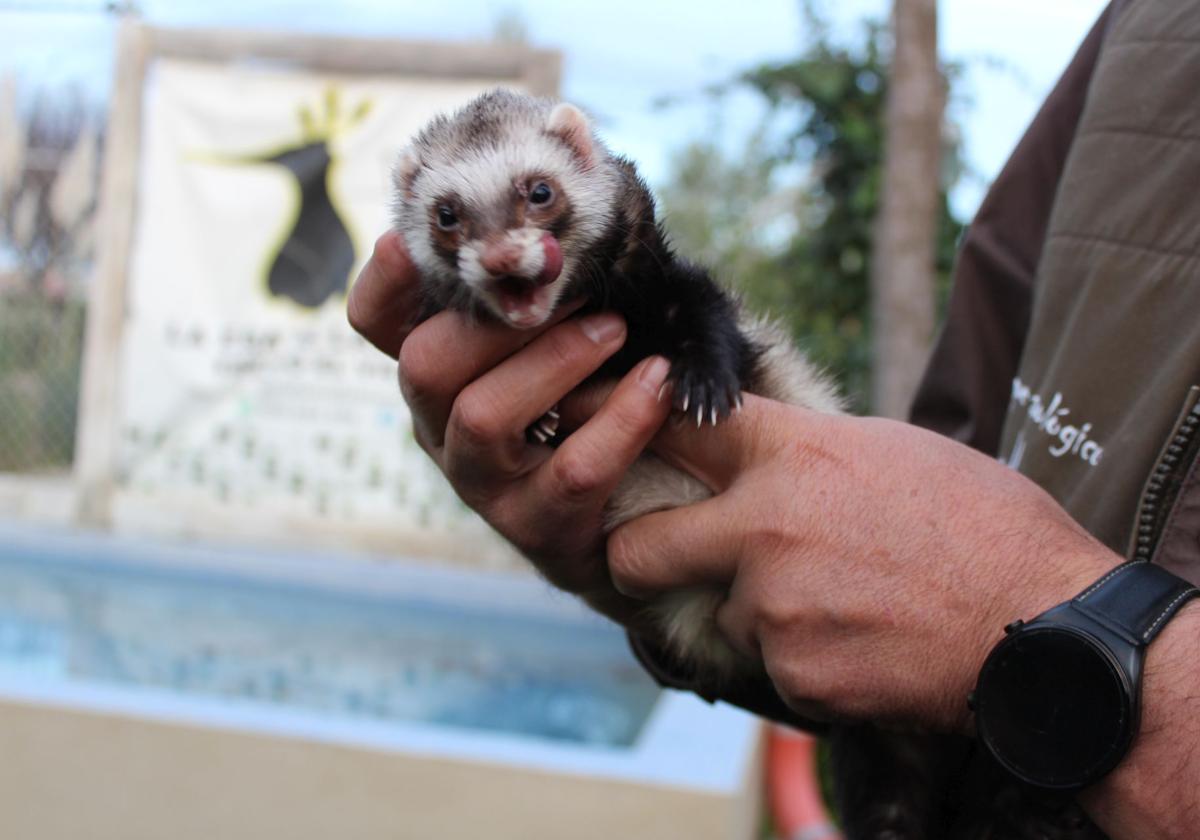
(717, 455)
(581, 405)
(573, 485)
(694, 545)
(714, 454)
(590, 463)
(485, 432)
(447, 353)
(385, 299)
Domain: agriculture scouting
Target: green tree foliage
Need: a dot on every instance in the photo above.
(789, 224)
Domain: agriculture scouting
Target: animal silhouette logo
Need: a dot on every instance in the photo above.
(313, 262)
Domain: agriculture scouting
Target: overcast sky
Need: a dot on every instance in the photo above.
(620, 54)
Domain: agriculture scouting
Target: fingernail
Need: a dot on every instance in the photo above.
(602, 328)
(654, 374)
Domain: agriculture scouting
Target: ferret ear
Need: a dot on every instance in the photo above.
(568, 123)
(405, 170)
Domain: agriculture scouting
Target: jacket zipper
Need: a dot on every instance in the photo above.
(1162, 487)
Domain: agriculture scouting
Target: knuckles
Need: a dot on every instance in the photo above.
(770, 616)
(475, 420)
(574, 476)
(819, 694)
(482, 452)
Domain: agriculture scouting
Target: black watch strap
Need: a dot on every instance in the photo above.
(1136, 599)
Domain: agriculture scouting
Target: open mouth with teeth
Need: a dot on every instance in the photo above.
(526, 302)
(523, 302)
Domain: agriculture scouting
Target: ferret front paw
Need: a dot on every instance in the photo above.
(545, 429)
(705, 391)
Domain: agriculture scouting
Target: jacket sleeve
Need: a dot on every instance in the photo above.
(964, 392)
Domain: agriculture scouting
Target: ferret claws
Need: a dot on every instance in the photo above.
(544, 430)
(704, 396)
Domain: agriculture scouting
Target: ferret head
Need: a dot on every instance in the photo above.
(499, 203)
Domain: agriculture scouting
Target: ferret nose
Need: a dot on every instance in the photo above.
(501, 258)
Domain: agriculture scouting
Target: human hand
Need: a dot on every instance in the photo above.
(473, 389)
(869, 563)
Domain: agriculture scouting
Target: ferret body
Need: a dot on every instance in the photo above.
(512, 207)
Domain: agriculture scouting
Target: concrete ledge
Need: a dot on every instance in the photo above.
(70, 773)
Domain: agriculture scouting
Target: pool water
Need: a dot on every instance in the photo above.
(379, 656)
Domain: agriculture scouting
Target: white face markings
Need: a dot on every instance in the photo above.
(485, 177)
(526, 242)
(469, 268)
(533, 255)
(516, 296)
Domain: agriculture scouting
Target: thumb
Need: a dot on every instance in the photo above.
(716, 455)
(385, 299)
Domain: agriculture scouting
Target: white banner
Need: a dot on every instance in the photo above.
(248, 406)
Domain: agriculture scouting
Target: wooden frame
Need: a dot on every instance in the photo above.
(138, 45)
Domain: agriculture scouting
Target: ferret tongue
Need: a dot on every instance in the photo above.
(554, 259)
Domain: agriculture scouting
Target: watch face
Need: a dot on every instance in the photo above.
(1053, 707)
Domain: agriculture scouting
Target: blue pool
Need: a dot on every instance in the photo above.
(335, 637)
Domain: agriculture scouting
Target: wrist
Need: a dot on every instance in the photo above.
(1028, 593)
(1151, 794)
(1058, 701)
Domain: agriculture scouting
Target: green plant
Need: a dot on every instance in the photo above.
(789, 224)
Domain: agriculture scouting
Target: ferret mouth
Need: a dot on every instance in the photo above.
(526, 301)
(523, 303)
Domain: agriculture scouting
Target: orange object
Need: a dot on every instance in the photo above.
(793, 789)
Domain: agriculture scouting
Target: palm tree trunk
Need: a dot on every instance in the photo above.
(902, 264)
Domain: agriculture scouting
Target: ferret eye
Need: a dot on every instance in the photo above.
(541, 194)
(447, 220)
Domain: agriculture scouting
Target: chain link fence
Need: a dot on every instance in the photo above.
(40, 352)
(49, 153)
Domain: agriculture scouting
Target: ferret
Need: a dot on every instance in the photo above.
(512, 207)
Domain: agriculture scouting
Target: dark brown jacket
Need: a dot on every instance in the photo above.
(1072, 345)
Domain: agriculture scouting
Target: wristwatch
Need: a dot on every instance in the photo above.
(1057, 702)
